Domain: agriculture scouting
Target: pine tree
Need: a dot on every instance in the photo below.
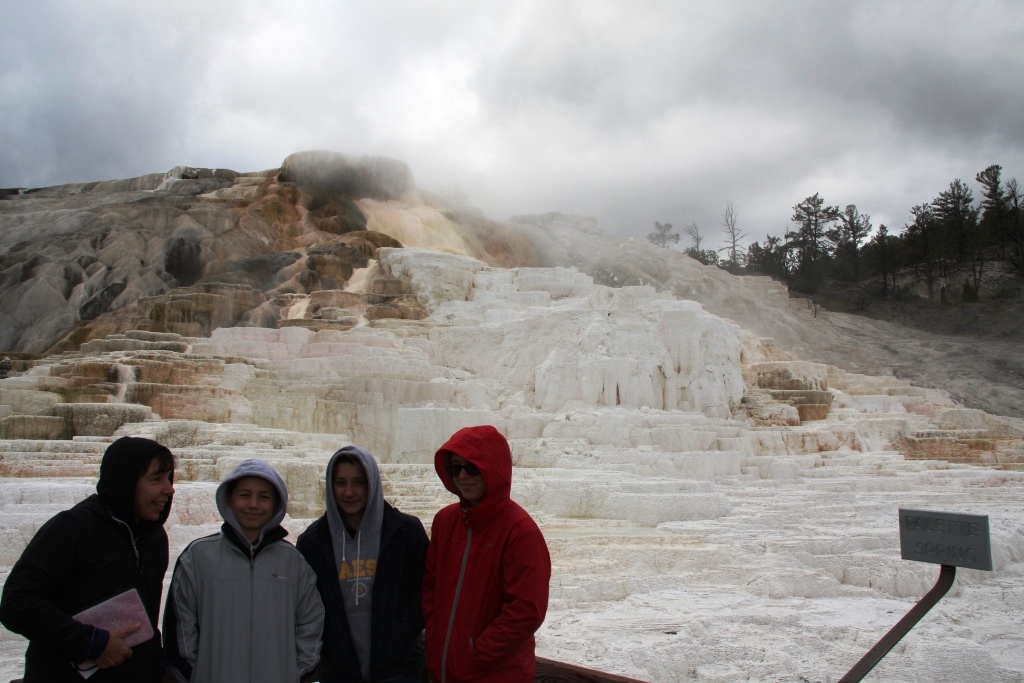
(772, 259)
(846, 237)
(663, 234)
(814, 219)
(1015, 220)
(881, 251)
(924, 248)
(994, 208)
(958, 221)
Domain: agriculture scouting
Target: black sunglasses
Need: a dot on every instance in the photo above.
(453, 469)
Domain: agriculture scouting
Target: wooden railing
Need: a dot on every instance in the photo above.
(550, 671)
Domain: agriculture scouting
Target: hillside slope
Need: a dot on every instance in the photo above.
(193, 250)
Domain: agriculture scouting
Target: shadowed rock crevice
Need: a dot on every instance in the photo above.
(335, 214)
(257, 271)
(183, 258)
(101, 302)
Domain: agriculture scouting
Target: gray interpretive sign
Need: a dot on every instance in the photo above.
(949, 538)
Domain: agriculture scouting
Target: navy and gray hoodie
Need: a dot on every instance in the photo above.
(370, 580)
(241, 611)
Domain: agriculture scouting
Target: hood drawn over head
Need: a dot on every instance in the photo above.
(253, 468)
(374, 514)
(485, 447)
(123, 463)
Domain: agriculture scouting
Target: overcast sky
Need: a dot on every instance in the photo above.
(630, 111)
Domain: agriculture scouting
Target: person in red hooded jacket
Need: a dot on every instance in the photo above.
(485, 585)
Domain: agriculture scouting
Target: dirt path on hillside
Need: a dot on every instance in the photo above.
(979, 372)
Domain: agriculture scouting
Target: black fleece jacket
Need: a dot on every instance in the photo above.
(396, 621)
(78, 559)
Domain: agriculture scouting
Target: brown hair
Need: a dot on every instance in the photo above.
(350, 459)
(229, 488)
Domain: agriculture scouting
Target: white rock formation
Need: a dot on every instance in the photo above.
(703, 526)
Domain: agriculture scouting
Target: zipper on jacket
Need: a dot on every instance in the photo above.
(252, 597)
(131, 537)
(455, 604)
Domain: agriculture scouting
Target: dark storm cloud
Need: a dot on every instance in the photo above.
(653, 110)
(98, 90)
(781, 100)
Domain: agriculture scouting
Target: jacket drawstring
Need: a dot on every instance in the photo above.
(344, 545)
(358, 553)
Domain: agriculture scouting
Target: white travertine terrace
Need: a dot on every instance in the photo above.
(704, 525)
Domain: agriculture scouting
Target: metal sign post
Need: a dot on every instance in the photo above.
(947, 538)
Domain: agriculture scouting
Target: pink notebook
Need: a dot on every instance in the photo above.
(118, 612)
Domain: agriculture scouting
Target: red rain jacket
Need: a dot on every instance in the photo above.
(482, 604)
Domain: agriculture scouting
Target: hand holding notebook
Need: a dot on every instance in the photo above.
(116, 614)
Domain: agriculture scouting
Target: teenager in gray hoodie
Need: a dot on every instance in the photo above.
(243, 604)
(368, 558)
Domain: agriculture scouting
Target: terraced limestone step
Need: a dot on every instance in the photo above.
(50, 459)
(977, 446)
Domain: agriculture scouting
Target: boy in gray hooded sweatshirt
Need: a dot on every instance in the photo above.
(243, 604)
(368, 558)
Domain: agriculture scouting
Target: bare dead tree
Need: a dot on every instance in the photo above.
(732, 237)
(694, 232)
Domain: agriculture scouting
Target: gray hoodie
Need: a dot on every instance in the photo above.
(356, 557)
(253, 468)
(239, 611)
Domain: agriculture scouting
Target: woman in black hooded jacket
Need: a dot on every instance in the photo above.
(109, 543)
